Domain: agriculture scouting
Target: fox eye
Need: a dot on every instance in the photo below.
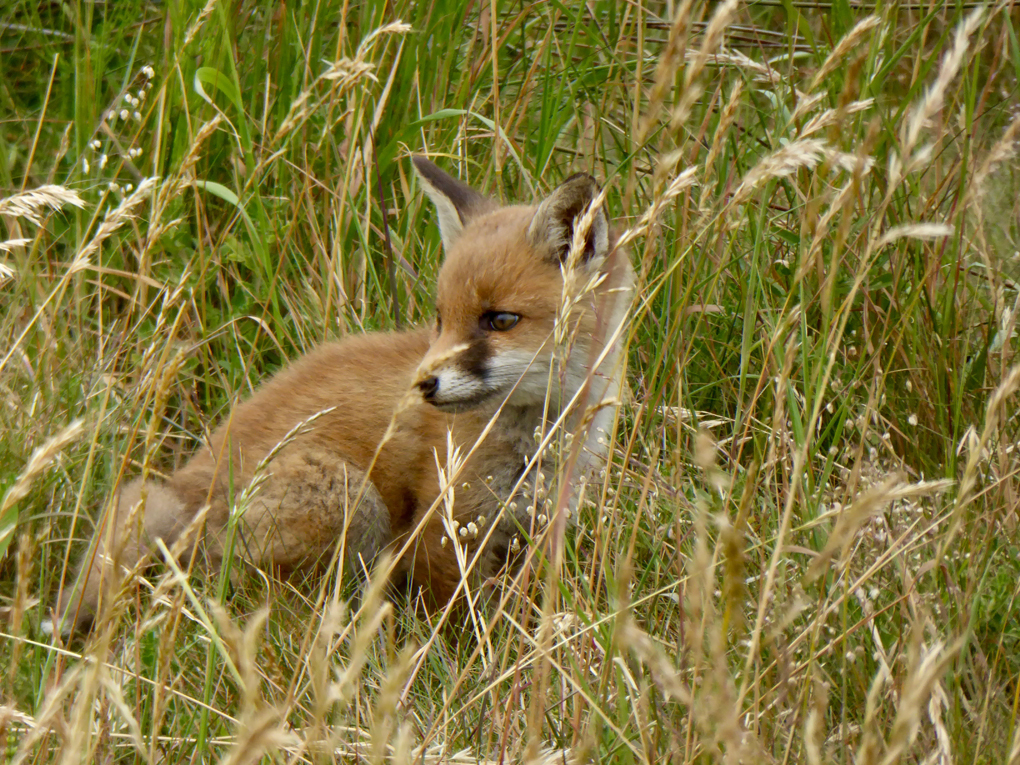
(439, 323)
(499, 321)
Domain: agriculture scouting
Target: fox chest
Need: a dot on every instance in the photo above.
(480, 475)
(499, 479)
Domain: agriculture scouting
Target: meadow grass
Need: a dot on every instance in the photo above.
(805, 548)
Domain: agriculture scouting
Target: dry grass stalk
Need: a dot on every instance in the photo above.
(929, 666)
(8, 713)
(803, 153)
(190, 159)
(850, 40)
(869, 503)
(841, 205)
(50, 717)
(263, 733)
(115, 695)
(316, 669)
(343, 74)
(260, 729)
(1003, 150)
(669, 62)
(387, 707)
(32, 205)
(664, 672)
(1014, 748)
(370, 616)
(761, 73)
(710, 42)
(922, 231)
(814, 725)
(14, 615)
(938, 703)
(807, 105)
(41, 458)
(116, 218)
(726, 118)
(870, 745)
(199, 21)
(448, 475)
(677, 186)
(11, 245)
(6, 272)
(714, 710)
(976, 446)
(934, 98)
(397, 27)
(829, 117)
(700, 570)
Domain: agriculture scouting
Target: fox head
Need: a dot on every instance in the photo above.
(506, 329)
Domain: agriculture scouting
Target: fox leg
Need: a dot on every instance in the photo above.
(435, 571)
(309, 501)
(294, 521)
(432, 560)
(119, 543)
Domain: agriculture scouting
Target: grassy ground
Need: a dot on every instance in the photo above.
(806, 549)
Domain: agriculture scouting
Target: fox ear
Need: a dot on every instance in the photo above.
(552, 228)
(456, 202)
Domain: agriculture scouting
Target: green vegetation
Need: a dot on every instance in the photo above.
(806, 549)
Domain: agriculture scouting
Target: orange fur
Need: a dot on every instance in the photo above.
(498, 259)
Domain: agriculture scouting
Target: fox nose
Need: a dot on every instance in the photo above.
(428, 387)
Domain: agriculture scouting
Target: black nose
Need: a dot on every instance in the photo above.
(428, 387)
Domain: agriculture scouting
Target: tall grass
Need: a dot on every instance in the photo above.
(805, 548)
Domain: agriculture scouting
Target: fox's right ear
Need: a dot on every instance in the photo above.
(456, 202)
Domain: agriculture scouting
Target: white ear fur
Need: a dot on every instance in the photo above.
(555, 221)
(456, 203)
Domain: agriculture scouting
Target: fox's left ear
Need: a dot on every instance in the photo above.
(552, 228)
(456, 202)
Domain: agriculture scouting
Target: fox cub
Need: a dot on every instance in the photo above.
(530, 303)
